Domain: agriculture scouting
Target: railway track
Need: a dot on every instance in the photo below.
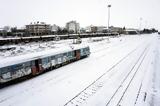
(12, 96)
(91, 89)
(133, 71)
(139, 92)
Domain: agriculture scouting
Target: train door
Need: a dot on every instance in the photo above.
(77, 54)
(38, 67)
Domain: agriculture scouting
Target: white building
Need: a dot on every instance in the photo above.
(38, 28)
(73, 27)
(95, 29)
(54, 28)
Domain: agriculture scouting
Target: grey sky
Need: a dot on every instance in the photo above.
(86, 12)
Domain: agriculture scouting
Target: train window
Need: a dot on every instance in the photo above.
(59, 59)
(49, 59)
(53, 61)
(45, 60)
(17, 67)
(69, 54)
(56, 56)
(27, 64)
(60, 55)
(13, 67)
(64, 54)
(73, 54)
(32, 63)
(53, 57)
(65, 57)
(4, 70)
(1, 69)
(82, 50)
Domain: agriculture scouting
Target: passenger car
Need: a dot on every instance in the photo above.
(36, 63)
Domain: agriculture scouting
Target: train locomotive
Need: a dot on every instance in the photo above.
(36, 63)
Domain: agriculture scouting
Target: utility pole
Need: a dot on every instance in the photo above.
(109, 6)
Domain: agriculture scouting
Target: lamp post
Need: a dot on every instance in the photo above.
(109, 6)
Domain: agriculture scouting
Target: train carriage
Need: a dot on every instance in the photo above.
(36, 63)
(15, 71)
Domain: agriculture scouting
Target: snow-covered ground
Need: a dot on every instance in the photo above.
(120, 71)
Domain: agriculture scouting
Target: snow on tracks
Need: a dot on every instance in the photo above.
(82, 96)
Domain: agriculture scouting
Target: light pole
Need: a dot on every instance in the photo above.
(109, 6)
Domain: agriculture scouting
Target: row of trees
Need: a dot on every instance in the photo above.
(153, 30)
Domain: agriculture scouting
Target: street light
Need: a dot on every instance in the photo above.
(108, 15)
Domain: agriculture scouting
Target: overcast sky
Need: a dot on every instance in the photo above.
(123, 12)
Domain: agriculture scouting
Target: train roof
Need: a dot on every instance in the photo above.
(36, 55)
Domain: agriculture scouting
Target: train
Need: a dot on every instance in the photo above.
(17, 40)
(33, 64)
